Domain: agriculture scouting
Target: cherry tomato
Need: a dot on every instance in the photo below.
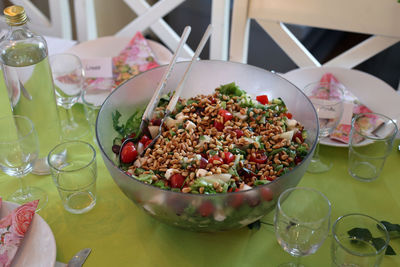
(225, 114)
(299, 135)
(219, 126)
(267, 194)
(212, 100)
(289, 115)
(206, 209)
(216, 160)
(148, 142)
(235, 200)
(177, 180)
(229, 157)
(144, 139)
(128, 153)
(239, 133)
(270, 178)
(263, 99)
(203, 163)
(260, 157)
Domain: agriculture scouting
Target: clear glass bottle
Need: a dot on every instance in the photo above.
(28, 78)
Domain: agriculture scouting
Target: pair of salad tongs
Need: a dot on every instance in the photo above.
(148, 113)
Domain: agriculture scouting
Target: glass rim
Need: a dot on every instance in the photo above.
(88, 103)
(326, 217)
(372, 137)
(70, 142)
(31, 131)
(357, 253)
(338, 85)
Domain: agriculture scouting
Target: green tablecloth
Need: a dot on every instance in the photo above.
(121, 234)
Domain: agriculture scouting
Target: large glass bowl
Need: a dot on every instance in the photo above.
(197, 212)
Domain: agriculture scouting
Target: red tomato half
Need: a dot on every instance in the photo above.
(128, 153)
(148, 142)
(177, 180)
(229, 157)
(267, 194)
(239, 133)
(289, 115)
(260, 157)
(144, 139)
(225, 114)
(216, 160)
(263, 99)
(299, 135)
(219, 126)
(206, 209)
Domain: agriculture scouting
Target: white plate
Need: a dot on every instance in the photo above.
(371, 91)
(38, 247)
(110, 46)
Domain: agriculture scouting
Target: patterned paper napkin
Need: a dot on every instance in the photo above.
(351, 107)
(12, 230)
(135, 58)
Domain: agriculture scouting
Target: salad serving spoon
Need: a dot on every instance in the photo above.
(144, 126)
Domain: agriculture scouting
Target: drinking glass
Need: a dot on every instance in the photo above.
(301, 221)
(92, 101)
(68, 78)
(19, 149)
(371, 141)
(75, 175)
(327, 99)
(358, 240)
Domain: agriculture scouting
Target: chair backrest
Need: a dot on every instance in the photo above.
(151, 17)
(381, 19)
(59, 24)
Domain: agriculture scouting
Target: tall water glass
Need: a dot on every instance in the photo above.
(68, 77)
(301, 221)
(19, 150)
(327, 99)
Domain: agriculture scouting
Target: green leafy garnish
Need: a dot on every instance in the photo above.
(132, 125)
(231, 89)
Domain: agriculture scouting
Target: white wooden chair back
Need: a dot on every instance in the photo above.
(380, 18)
(59, 24)
(151, 17)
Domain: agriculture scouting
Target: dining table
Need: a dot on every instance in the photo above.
(122, 234)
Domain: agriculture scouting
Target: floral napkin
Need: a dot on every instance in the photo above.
(12, 230)
(352, 107)
(135, 58)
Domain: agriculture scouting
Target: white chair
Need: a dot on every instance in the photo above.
(59, 24)
(381, 19)
(151, 17)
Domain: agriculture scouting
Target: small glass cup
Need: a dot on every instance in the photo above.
(74, 175)
(358, 240)
(371, 141)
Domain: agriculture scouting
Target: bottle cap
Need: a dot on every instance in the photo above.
(15, 15)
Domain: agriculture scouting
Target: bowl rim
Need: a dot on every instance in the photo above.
(216, 194)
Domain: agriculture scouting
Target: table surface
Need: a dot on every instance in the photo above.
(121, 234)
